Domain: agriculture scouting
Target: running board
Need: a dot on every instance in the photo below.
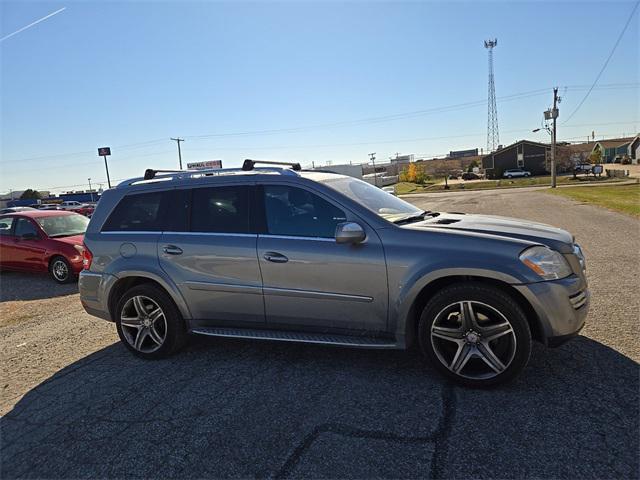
(283, 336)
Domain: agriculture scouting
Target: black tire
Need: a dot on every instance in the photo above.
(60, 270)
(515, 344)
(509, 176)
(175, 330)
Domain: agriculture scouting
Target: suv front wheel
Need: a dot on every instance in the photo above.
(149, 323)
(475, 334)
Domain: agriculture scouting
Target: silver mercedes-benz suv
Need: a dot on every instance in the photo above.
(278, 253)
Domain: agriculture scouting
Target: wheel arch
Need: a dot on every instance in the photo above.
(426, 293)
(133, 280)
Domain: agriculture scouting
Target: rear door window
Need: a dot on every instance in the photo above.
(138, 213)
(25, 227)
(220, 210)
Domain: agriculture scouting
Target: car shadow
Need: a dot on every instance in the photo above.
(231, 408)
(32, 286)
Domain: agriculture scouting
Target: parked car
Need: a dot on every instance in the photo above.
(48, 206)
(43, 241)
(583, 168)
(470, 176)
(70, 205)
(15, 210)
(285, 254)
(78, 207)
(515, 173)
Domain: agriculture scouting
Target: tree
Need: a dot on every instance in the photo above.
(30, 194)
(472, 165)
(596, 156)
(564, 160)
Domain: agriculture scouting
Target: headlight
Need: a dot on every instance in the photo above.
(547, 263)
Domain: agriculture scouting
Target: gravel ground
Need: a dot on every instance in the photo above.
(76, 404)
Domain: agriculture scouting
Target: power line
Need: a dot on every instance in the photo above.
(130, 146)
(399, 116)
(605, 63)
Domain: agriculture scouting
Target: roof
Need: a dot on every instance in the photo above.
(488, 155)
(41, 213)
(615, 142)
(581, 147)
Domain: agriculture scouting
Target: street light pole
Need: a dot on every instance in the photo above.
(90, 191)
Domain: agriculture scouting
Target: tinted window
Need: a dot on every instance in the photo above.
(137, 213)
(5, 226)
(297, 212)
(25, 227)
(220, 210)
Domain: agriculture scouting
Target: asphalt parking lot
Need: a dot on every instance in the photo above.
(76, 404)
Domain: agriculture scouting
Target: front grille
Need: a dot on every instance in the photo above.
(578, 300)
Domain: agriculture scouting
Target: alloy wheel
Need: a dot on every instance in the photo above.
(143, 324)
(473, 340)
(60, 270)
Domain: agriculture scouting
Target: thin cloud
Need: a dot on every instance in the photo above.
(32, 24)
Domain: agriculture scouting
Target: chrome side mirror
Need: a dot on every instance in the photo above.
(349, 232)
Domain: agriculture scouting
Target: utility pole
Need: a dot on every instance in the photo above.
(375, 174)
(90, 191)
(178, 140)
(552, 114)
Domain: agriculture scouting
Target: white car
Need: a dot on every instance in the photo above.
(70, 205)
(516, 172)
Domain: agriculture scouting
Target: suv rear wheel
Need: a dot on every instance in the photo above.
(475, 334)
(148, 322)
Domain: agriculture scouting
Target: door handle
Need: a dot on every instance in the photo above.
(172, 250)
(275, 257)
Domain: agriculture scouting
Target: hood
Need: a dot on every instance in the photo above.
(72, 240)
(553, 237)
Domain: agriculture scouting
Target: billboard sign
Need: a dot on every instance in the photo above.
(464, 153)
(204, 165)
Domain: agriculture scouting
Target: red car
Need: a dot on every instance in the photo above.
(43, 241)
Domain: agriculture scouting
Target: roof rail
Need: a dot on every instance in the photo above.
(151, 175)
(250, 164)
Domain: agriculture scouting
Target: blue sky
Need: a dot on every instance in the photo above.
(132, 74)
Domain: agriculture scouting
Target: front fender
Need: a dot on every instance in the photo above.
(410, 290)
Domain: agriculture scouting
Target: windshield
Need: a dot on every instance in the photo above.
(64, 225)
(373, 198)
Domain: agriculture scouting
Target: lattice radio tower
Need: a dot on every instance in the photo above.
(493, 137)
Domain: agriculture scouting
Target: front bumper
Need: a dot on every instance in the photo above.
(560, 305)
